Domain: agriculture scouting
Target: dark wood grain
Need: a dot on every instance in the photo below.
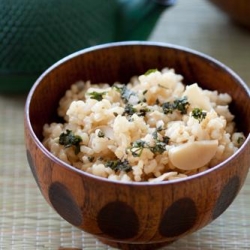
(238, 10)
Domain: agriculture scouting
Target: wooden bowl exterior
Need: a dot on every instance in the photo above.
(135, 213)
(238, 10)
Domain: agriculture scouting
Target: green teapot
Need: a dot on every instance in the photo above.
(34, 34)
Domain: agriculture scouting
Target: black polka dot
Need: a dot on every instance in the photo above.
(64, 203)
(227, 196)
(118, 220)
(178, 218)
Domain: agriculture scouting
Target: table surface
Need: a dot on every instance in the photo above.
(27, 221)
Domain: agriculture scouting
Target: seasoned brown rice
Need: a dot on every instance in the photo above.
(152, 129)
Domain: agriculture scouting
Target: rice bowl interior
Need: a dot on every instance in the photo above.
(153, 128)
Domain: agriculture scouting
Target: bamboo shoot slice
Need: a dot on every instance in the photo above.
(193, 155)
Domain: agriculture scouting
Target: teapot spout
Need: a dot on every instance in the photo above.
(137, 18)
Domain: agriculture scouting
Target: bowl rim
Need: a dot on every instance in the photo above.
(130, 43)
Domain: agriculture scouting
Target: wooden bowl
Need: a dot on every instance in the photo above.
(237, 10)
(123, 214)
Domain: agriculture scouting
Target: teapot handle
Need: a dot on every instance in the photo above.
(137, 18)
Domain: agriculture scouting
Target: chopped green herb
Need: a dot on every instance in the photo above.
(167, 108)
(137, 148)
(96, 95)
(150, 71)
(100, 134)
(91, 158)
(240, 140)
(118, 165)
(161, 86)
(160, 145)
(143, 111)
(129, 110)
(165, 139)
(158, 148)
(145, 92)
(155, 133)
(159, 129)
(199, 114)
(68, 139)
(125, 92)
(180, 104)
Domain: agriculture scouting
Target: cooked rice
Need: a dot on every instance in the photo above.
(128, 136)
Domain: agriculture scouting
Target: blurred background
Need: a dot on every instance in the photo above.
(219, 28)
(26, 220)
(36, 34)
